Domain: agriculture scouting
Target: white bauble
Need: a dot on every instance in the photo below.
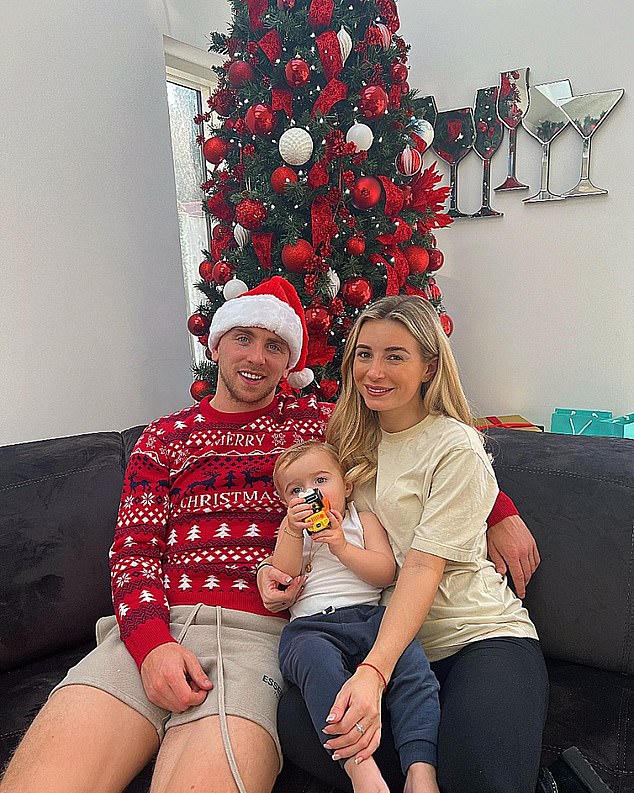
(296, 146)
(234, 288)
(333, 283)
(345, 43)
(423, 130)
(361, 135)
(241, 235)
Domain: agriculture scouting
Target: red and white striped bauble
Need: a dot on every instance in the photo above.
(386, 35)
(409, 161)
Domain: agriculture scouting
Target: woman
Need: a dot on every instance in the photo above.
(404, 431)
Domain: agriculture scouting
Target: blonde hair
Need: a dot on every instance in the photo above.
(354, 430)
(293, 453)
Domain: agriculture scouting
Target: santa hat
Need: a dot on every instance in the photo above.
(275, 306)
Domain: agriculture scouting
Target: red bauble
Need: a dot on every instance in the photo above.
(198, 324)
(215, 150)
(436, 260)
(297, 73)
(239, 73)
(328, 389)
(296, 257)
(281, 177)
(206, 270)
(200, 389)
(398, 73)
(434, 292)
(221, 273)
(366, 192)
(223, 102)
(250, 214)
(447, 324)
(356, 245)
(260, 120)
(417, 258)
(373, 101)
(318, 320)
(357, 292)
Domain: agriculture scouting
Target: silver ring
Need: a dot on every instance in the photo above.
(360, 727)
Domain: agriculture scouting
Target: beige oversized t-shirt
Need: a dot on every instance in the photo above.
(433, 491)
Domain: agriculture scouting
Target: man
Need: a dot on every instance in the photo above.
(190, 670)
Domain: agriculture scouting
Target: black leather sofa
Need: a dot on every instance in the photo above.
(58, 502)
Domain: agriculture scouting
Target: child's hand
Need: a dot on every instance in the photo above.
(297, 512)
(333, 536)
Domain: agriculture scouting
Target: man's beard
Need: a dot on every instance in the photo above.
(238, 398)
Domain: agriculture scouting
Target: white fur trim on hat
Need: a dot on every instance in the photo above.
(259, 311)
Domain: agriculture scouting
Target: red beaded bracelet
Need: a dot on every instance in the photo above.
(378, 671)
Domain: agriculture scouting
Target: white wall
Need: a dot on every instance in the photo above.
(542, 298)
(92, 310)
(92, 307)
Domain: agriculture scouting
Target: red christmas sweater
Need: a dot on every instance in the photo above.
(199, 511)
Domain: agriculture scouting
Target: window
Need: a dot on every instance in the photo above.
(190, 82)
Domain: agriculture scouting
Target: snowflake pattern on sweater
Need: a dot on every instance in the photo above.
(199, 511)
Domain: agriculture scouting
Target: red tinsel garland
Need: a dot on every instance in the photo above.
(271, 45)
(394, 97)
(387, 9)
(219, 207)
(324, 228)
(320, 12)
(393, 197)
(392, 285)
(282, 99)
(334, 92)
(330, 54)
(262, 245)
(256, 9)
(318, 175)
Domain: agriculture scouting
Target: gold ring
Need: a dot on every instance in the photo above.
(360, 727)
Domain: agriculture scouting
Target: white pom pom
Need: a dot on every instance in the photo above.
(361, 135)
(301, 379)
(296, 146)
(345, 44)
(234, 288)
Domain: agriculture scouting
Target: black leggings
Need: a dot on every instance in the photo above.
(493, 698)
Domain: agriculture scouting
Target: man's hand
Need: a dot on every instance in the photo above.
(278, 590)
(173, 678)
(512, 547)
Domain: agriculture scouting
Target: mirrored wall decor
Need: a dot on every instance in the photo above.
(512, 104)
(586, 113)
(454, 135)
(488, 136)
(544, 120)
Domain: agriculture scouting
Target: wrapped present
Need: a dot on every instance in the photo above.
(510, 422)
(618, 426)
(579, 422)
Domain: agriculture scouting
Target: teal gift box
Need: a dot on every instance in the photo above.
(579, 422)
(619, 426)
(592, 422)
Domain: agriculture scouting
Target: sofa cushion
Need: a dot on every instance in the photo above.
(577, 496)
(593, 710)
(58, 506)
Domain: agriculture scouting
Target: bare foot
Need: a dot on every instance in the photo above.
(421, 778)
(366, 777)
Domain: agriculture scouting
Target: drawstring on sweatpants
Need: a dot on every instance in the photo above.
(224, 729)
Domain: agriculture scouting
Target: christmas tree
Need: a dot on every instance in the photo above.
(316, 170)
